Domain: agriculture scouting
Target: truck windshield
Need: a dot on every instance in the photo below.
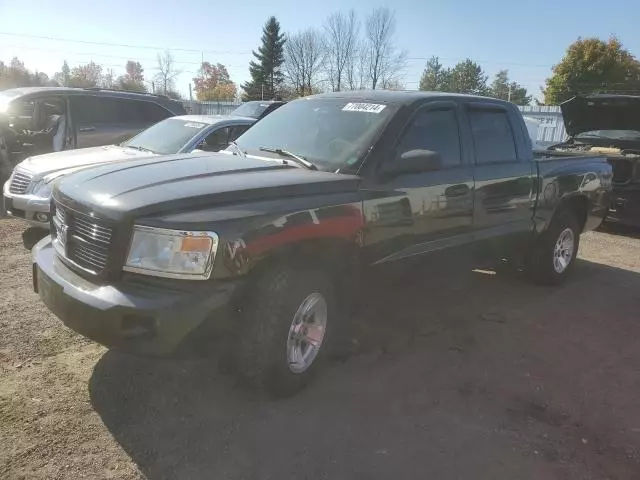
(330, 133)
(166, 137)
(632, 135)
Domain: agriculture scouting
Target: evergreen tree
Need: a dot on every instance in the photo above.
(266, 72)
(467, 77)
(435, 77)
(505, 89)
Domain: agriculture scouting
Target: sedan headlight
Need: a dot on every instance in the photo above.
(172, 253)
(42, 188)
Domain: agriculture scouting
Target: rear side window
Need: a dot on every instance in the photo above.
(94, 109)
(435, 130)
(151, 112)
(492, 136)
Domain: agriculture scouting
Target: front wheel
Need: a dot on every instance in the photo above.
(556, 250)
(283, 332)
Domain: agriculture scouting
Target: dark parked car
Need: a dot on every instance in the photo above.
(262, 248)
(257, 108)
(609, 125)
(37, 120)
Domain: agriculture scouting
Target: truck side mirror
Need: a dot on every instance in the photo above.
(413, 161)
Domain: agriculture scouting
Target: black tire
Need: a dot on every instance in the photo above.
(261, 347)
(541, 264)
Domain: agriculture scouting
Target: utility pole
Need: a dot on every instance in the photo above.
(509, 98)
(190, 93)
(262, 95)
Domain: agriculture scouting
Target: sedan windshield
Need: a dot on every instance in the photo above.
(328, 132)
(632, 135)
(166, 137)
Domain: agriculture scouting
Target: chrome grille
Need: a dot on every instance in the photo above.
(81, 239)
(58, 227)
(92, 232)
(19, 182)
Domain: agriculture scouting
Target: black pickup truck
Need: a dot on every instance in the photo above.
(609, 125)
(258, 245)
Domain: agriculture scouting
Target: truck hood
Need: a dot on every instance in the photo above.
(601, 112)
(54, 163)
(186, 181)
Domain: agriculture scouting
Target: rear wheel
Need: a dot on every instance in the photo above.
(282, 339)
(556, 250)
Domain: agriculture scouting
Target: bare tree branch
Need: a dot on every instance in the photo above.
(356, 69)
(304, 55)
(384, 62)
(341, 38)
(167, 73)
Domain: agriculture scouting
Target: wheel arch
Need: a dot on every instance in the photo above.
(338, 257)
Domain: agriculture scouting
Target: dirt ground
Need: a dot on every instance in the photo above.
(456, 375)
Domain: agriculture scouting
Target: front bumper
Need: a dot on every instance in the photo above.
(27, 207)
(136, 315)
(625, 208)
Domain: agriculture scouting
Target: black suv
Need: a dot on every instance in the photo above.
(39, 120)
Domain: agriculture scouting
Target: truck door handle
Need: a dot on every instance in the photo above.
(86, 129)
(457, 190)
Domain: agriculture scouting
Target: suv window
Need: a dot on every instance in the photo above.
(95, 109)
(151, 112)
(492, 136)
(435, 130)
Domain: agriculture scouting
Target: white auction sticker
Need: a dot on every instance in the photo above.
(363, 107)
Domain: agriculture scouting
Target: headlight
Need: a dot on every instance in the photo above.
(172, 253)
(42, 188)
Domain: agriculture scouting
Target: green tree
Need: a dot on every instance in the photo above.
(62, 77)
(467, 77)
(133, 79)
(592, 65)
(502, 88)
(17, 75)
(435, 77)
(86, 76)
(266, 73)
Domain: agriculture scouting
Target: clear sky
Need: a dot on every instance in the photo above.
(526, 38)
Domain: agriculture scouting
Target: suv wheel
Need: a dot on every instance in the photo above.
(282, 339)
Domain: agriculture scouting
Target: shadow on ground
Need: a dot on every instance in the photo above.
(462, 375)
(619, 229)
(33, 235)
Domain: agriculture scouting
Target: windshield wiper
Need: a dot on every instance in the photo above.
(284, 153)
(142, 149)
(237, 149)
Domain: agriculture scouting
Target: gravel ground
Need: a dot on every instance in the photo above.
(463, 374)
